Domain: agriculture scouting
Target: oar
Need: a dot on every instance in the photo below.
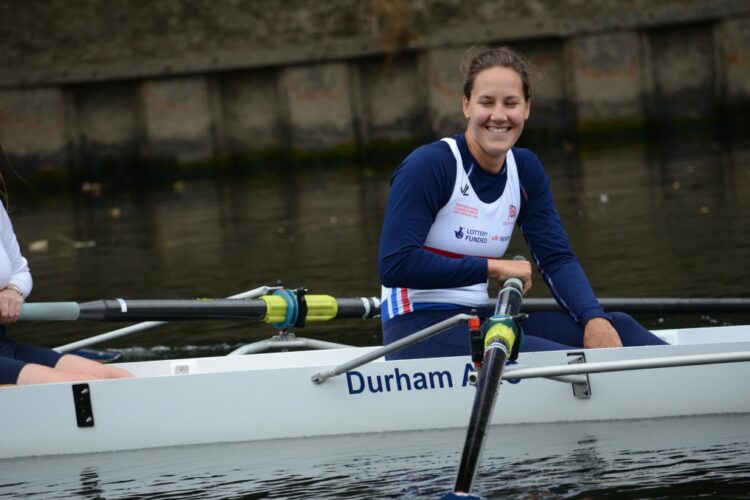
(146, 325)
(498, 343)
(661, 305)
(319, 308)
(284, 309)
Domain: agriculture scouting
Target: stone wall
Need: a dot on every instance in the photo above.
(90, 85)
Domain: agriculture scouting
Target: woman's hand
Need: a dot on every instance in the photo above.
(10, 306)
(501, 269)
(599, 332)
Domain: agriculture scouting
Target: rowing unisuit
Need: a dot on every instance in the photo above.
(464, 226)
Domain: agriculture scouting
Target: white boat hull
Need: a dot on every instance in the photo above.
(271, 396)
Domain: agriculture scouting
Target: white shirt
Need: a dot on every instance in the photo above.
(14, 268)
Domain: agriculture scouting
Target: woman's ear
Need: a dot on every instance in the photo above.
(465, 102)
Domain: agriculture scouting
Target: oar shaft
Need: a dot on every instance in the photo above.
(172, 310)
(197, 309)
(484, 404)
(139, 327)
(498, 342)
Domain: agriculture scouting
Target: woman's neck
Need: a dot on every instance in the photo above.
(487, 162)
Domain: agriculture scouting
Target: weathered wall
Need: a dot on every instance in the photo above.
(91, 84)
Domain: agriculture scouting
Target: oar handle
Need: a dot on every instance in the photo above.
(49, 311)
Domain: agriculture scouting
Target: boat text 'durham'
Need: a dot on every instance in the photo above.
(398, 381)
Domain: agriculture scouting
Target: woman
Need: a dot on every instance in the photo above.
(26, 364)
(450, 216)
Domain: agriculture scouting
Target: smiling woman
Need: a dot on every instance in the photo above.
(496, 110)
(451, 212)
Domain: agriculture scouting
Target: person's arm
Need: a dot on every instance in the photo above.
(20, 283)
(550, 248)
(420, 187)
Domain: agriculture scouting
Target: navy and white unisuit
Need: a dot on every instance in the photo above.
(421, 268)
(445, 217)
(464, 226)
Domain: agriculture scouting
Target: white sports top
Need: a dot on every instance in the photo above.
(14, 268)
(465, 226)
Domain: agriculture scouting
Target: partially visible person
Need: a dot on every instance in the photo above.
(26, 364)
(451, 211)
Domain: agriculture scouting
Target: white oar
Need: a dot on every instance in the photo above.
(139, 327)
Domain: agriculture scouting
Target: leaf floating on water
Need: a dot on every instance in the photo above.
(39, 246)
(76, 244)
(604, 198)
(179, 186)
(115, 212)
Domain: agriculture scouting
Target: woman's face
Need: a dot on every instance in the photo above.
(495, 115)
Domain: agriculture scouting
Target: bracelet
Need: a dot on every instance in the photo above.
(15, 288)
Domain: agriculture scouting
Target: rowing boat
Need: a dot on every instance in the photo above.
(272, 395)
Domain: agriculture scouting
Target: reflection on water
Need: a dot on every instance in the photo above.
(645, 222)
(686, 457)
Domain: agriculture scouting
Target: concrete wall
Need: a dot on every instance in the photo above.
(110, 85)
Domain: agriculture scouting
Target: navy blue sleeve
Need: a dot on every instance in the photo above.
(543, 230)
(420, 187)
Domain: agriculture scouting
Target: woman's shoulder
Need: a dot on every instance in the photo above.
(528, 164)
(525, 156)
(433, 159)
(433, 152)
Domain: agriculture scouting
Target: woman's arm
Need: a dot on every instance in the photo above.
(549, 245)
(421, 185)
(20, 283)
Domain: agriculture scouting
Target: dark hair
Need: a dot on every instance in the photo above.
(504, 57)
(3, 186)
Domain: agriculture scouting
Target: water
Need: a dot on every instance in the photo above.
(685, 457)
(641, 227)
(643, 224)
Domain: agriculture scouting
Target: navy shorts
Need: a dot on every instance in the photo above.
(543, 331)
(14, 356)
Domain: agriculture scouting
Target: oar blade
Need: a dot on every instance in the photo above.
(460, 496)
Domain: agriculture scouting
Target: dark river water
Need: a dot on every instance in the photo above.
(693, 457)
(643, 223)
(643, 226)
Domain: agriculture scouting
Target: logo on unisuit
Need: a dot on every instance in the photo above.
(465, 190)
(472, 235)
